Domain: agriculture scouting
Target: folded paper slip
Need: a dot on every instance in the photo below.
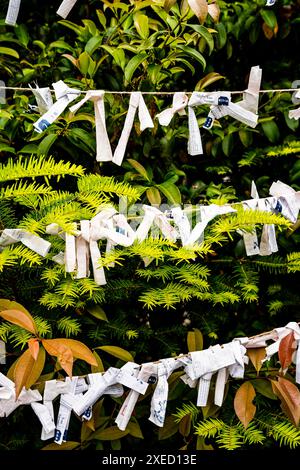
(65, 8)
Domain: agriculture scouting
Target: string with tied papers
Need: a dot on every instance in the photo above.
(113, 228)
(79, 394)
(220, 102)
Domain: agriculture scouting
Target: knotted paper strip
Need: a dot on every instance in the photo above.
(160, 396)
(64, 96)
(103, 152)
(35, 243)
(2, 352)
(65, 8)
(43, 98)
(146, 371)
(180, 101)
(53, 389)
(198, 99)
(136, 102)
(12, 12)
(245, 110)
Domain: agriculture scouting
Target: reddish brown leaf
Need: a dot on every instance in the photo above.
(80, 350)
(34, 346)
(56, 347)
(289, 395)
(200, 8)
(243, 406)
(37, 368)
(23, 370)
(256, 356)
(20, 318)
(286, 350)
(268, 32)
(185, 425)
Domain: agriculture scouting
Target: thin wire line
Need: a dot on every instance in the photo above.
(279, 90)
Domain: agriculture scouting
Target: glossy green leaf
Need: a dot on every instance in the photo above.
(9, 51)
(133, 64)
(194, 54)
(115, 351)
(203, 31)
(269, 17)
(141, 24)
(46, 144)
(171, 192)
(271, 131)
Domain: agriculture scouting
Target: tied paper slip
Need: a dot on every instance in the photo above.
(44, 416)
(97, 389)
(155, 216)
(2, 352)
(35, 243)
(198, 99)
(12, 12)
(136, 102)
(245, 110)
(103, 148)
(295, 113)
(53, 389)
(64, 413)
(159, 400)
(180, 101)
(64, 96)
(43, 98)
(147, 372)
(65, 8)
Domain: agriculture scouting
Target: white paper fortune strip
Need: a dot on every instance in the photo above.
(2, 352)
(180, 101)
(295, 113)
(35, 243)
(244, 110)
(160, 396)
(64, 96)
(136, 102)
(43, 98)
(103, 152)
(198, 99)
(65, 8)
(12, 12)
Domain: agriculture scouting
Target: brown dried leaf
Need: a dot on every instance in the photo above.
(243, 406)
(20, 318)
(34, 346)
(214, 12)
(185, 425)
(23, 370)
(287, 348)
(200, 8)
(268, 32)
(256, 356)
(289, 395)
